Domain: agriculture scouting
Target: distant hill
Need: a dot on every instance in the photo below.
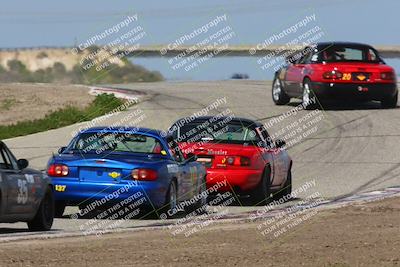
(93, 66)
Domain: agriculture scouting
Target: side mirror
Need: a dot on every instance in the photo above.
(22, 163)
(191, 157)
(280, 143)
(61, 149)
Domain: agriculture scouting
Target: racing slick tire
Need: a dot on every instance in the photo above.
(200, 206)
(286, 189)
(59, 208)
(44, 217)
(278, 94)
(170, 208)
(390, 102)
(261, 194)
(308, 95)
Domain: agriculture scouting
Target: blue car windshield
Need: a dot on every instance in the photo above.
(100, 142)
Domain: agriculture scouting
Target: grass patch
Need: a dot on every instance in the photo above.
(101, 105)
(7, 103)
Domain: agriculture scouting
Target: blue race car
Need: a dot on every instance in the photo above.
(120, 169)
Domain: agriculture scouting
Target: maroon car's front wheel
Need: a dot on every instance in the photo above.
(309, 99)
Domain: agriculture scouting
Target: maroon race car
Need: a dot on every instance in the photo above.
(239, 154)
(336, 70)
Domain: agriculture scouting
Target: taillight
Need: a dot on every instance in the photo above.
(58, 170)
(144, 174)
(332, 75)
(389, 76)
(234, 161)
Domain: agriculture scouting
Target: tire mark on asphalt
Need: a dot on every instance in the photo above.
(369, 183)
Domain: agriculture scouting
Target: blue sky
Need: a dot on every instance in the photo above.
(60, 23)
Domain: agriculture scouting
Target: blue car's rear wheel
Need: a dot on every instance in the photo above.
(170, 208)
(201, 204)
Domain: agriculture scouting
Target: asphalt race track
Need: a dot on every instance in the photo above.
(351, 149)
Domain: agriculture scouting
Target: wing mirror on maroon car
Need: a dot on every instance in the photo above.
(289, 60)
(280, 143)
(191, 157)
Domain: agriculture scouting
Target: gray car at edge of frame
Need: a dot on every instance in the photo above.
(26, 195)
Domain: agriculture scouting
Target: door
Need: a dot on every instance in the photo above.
(296, 71)
(273, 156)
(18, 186)
(185, 172)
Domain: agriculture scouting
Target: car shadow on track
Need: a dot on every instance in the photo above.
(4, 231)
(347, 105)
(247, 202)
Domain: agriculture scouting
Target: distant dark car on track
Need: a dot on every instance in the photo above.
(239, 152)
(25, 194)
(108, 165)
(239, 76)
(336, 70)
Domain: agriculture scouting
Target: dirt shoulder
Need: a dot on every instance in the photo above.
(20, 101)
(361, 235)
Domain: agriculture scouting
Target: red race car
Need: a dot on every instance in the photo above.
(335, 70)
(238, 154)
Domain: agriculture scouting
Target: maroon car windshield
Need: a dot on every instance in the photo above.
(217, 132)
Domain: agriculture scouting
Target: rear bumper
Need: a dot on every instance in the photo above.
(76, 192)
(243, 180)
(361, 91)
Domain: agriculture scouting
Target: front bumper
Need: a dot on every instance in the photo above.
(360, 91)
(74, 192)
(227, 180)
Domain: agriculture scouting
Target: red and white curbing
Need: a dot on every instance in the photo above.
(117, 92)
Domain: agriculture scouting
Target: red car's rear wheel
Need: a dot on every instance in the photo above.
(278, 94)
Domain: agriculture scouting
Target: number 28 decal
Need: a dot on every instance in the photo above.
(346, 76)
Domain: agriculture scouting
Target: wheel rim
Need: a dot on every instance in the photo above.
(276, 89)
(306, 94)
(172, 196)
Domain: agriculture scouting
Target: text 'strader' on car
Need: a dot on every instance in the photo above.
(102, 168)
(26, 195)
(239, 155)
(340, 71)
